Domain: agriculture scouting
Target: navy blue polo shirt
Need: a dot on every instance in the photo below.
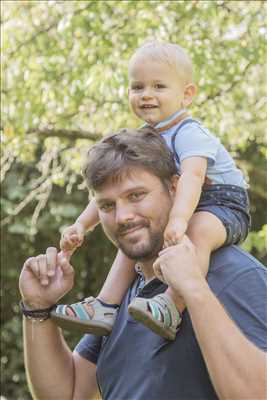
(133, 363)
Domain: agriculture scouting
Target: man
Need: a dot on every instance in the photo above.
(219, 350)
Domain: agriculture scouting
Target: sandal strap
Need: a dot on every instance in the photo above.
(163, 309)
(79, 310)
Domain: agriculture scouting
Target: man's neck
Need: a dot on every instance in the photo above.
(147, 270)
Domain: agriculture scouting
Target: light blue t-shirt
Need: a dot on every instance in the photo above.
(194, 140)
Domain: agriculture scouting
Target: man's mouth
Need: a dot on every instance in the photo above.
(124, 231)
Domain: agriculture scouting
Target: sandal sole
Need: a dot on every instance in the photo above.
(72, 324)
(145, 318)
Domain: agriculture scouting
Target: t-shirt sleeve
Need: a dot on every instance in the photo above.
(89, 347)
(196, 141)
(245, 301)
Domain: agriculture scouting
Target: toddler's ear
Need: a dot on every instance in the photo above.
(189, 93)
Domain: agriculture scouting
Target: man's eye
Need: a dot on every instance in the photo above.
(106, 207)
(137, 196)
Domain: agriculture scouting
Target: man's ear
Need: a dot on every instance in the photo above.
(173, 185)
(189, 93)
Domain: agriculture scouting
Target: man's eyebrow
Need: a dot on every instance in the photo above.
(101, 200)
(134, 188)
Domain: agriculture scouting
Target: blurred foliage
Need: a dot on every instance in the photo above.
(64, 68)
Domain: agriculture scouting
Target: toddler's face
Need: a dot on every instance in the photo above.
(155, 91)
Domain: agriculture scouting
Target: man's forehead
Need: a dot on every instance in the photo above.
(127, 180)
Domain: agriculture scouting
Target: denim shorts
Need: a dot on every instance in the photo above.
(230, 204)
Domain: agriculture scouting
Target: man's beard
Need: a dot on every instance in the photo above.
(144, 250)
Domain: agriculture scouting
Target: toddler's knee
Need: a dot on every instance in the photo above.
(198, 231)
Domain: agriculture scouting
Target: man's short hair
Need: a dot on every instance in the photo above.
(127, 149)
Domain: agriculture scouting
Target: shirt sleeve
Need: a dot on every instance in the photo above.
(196, 141)
(245, 300)
(89, 347)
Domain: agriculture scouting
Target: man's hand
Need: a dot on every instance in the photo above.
(174, 231)
(178, 267)
(72, 237)
(45, 279)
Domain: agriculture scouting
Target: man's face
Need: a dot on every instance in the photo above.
(134, 213)
(155, 91)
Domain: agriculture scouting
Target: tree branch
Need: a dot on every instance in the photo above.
(229, 89)
(42, 31)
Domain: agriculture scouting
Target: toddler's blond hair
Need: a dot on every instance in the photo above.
(170, 53)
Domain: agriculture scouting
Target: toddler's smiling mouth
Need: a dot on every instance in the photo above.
(148, 106)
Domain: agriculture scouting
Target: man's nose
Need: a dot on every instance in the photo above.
(124, 213)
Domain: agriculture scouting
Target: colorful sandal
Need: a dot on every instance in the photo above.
(87, 316)
(158, 313)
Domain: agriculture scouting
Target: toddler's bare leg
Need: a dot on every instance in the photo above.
(207, 233)
(119, 279)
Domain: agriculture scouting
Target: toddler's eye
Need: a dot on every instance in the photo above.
(160, 86)
(136, 87)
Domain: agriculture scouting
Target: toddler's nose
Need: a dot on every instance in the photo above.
(147, 94)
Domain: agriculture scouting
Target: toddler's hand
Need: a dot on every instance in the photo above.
(72, 237)
(174, 231)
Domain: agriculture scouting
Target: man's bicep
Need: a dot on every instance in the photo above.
(85, 386)
(245, 300)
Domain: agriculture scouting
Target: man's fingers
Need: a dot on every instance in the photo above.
(170, 243)
(51, 258)
(63, 262)
(164, 251)
(42, 264)
(32, 265)
(187, 242)
(166, 244)
(167, 249)
(157, 270)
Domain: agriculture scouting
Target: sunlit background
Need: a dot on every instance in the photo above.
(64, 86)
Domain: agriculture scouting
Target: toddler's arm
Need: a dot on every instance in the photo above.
(73, 236)
(188, 191)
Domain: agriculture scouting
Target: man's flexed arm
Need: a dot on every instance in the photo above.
(237, 367)
(50, 365)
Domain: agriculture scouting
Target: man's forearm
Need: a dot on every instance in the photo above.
(48, 361)
(236, 366)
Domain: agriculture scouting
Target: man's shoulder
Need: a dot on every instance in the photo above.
(233, 255)
(230, 263)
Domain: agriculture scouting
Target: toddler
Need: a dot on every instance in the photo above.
(210, 206)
